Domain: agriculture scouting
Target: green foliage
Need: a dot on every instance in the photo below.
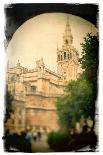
(75, 103)
(58, 141)
(89, 60)
(8, 105)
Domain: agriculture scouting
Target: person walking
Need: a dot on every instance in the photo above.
(35, 135)
(29, 141)
(39, 135)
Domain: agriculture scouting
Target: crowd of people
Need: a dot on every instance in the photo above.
(21, 142)
(86, 137)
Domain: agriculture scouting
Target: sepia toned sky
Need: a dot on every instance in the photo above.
(40, 37)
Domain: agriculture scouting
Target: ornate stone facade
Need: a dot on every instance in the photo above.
(35, 90)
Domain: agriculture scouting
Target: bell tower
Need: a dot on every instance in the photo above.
(67, 56)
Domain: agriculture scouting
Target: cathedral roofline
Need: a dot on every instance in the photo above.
(56, 74)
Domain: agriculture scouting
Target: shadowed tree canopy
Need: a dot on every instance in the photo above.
(89, 60)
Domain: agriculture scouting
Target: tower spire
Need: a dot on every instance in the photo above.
(67, 35)
(67, 56)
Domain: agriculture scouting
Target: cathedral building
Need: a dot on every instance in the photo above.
(35, 91)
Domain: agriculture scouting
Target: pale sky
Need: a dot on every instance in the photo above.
(40, 36)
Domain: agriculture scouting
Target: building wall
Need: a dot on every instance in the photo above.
(41, 111)
(41, 118)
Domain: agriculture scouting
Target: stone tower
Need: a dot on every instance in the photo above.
(67, 56)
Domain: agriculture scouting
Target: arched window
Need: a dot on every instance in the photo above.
(58, 57)
(33, 88)
(13, 78)
(64, 55)
(64, 75)
(61, 57)
(68, 56)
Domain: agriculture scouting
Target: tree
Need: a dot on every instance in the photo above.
(90, 62)
(75, 103)
(8, 105)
